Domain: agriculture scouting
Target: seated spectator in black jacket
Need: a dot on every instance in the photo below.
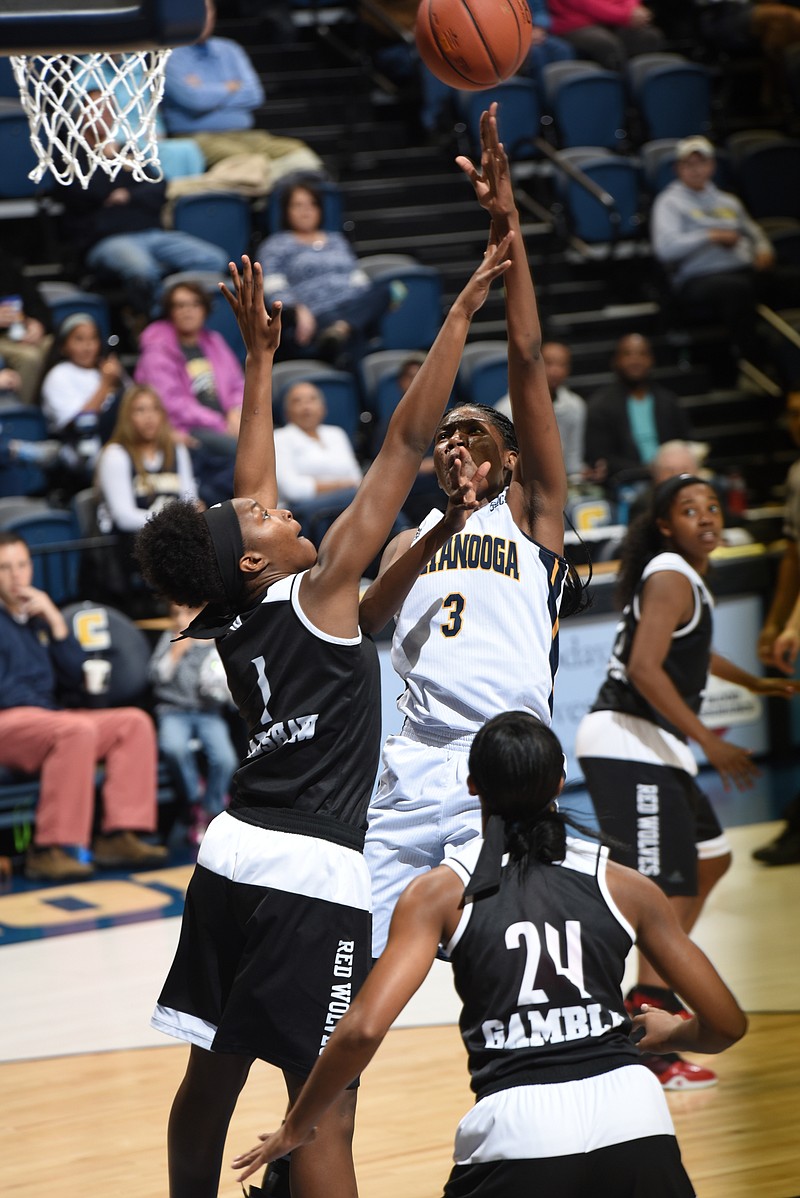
(115, 228)
(627, 420)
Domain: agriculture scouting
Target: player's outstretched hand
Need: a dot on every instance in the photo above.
(468, 483)
(785, 651)
(493, 187)
(271, 1146)
(651, 1030)
(495, 263)
(261, 330)
(734, 765)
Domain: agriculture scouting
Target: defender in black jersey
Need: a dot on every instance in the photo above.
(538, 925)
(275, 938)
(632, 746)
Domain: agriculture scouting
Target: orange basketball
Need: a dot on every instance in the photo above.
(473, 44)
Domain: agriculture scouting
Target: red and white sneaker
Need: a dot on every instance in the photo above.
(676, 1074)
(664, 1000)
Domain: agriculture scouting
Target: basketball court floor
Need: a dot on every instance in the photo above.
(87, 1084)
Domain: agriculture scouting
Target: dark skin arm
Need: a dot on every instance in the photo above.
(329, 591)
(254, 471)
(538, 490)
(428, 914)
(718, 1021)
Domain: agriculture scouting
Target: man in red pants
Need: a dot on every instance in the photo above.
(39, 658)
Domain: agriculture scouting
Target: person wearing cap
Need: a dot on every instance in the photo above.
(710, 247)
(537, 924)
(633, 745)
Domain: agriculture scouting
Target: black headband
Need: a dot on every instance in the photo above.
(665, 492)
(226, 538)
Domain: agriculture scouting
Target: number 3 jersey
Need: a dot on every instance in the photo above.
(538, 966)
(477, 633)
(311, 703)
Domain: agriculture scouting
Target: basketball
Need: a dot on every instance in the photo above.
(473, 44)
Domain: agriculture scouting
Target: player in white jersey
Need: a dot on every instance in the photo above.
(476, 594)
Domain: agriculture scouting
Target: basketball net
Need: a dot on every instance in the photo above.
(91, 112)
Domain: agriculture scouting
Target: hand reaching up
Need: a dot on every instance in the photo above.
(261, 330)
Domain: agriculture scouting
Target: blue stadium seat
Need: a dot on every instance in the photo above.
(338, 386)
(17, 154)
(104, 632)
(22, 423)
(488, 380)
(221, 217)
(765, 166)
(587, 103)
(672, 94)
(415, 323)
(519, 116)
(618, 178)
(64, 299)
(332, 204)
(222, 320)
(55, 568)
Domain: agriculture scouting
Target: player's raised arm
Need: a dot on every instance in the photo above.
(538, 504)
(254, 472)
(361, 531)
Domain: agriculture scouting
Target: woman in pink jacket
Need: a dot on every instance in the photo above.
(607, 31)
(193, 369)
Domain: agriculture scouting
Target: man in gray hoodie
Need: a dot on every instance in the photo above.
(709, 245)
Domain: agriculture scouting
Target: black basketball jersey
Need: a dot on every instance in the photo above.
(311, 703)
(538, 966)
(686, 663)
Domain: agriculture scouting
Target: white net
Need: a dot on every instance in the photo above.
(91, 112)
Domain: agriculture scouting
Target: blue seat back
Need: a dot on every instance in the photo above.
(17, 154)
(90, 302)
(587, 103)
(488, 381)
(767, 178)
(222, 320)
(340, 391)
(589, 219)
(415, 323)
(519, 115)
(221, 218)
(332, 204)
(106, 633)
(675, 100)
(54, 570)
(24, 424)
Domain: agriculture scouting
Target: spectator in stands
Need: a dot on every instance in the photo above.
(191, 691)
(317, 471)
(672, 458)
(40, 663)
(139, 470)
(329, 304)
(79, 395)
(24, 328)
(569, 408)
(709, 245)
(606, 31)
(628, 419)
(212, 92)
(114, 227)
(195, 372)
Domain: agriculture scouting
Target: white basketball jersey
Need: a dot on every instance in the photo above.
(478, 633)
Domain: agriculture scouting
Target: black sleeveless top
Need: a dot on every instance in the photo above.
(311, 703)
(686, 663)
(538, 966)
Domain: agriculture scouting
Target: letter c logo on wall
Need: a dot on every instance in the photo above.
(90, 626)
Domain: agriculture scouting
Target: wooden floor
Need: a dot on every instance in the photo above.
(95, 1124)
